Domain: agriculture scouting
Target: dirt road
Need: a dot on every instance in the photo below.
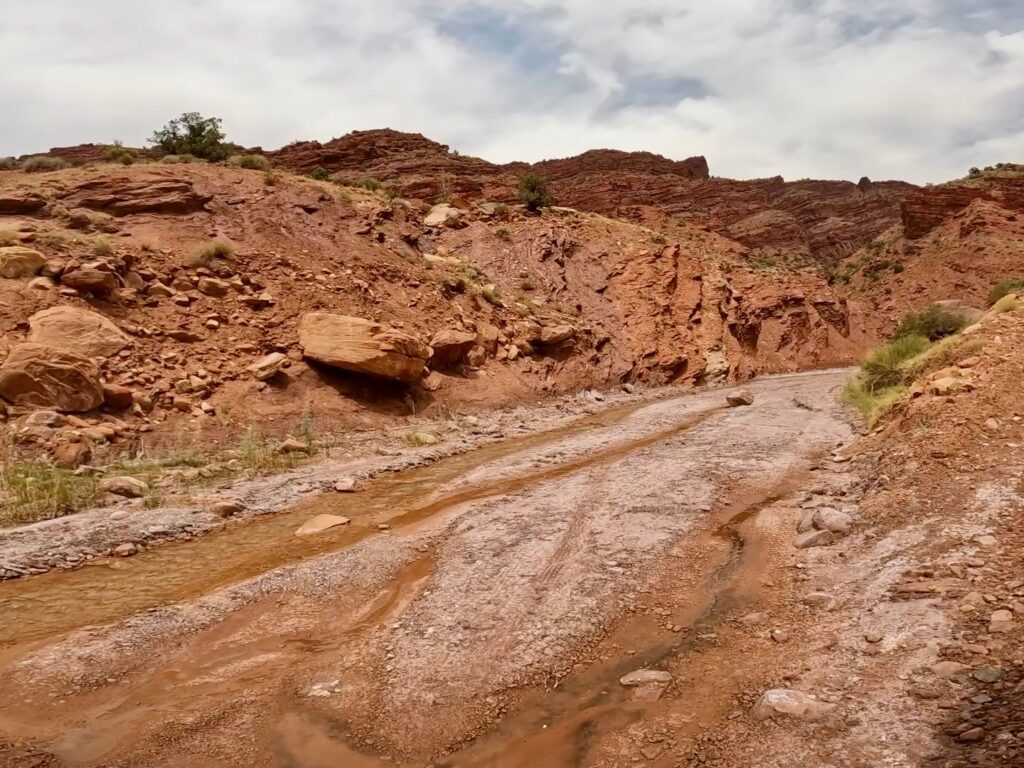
(479, 613)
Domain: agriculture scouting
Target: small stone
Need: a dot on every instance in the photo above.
(949, 669)
(739, 398)
(267, 366)
(1000, 621)
(988, 674)
(226, 508)
(130, 487)
(813, 539)
(972, 735)
(820, 600)
(784, 701)
(291, 445)
(645, 677)
(125, 550)
(780, 635)
(873, 637)
(345, 485)
(829, 519)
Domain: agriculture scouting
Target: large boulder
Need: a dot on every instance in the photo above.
(443, 215)
(556, 334)
(76, 330)
(19, 261)
(45, 377)
(363, 346)
(450, 346)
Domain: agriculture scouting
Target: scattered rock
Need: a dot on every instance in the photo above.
(1001, 621)
(828, 519)
(949, 669)
(813, 539)
(792, 703)
(450, 347)
(76, 330)
(267, 366)
(740, 398)
(125, 550)
(645, 677)
(291, 445)
(226, 508)
(130, 487)
(363, 346)
(211, 286)
(321, 523)
(442, 215)
(988, 674)
(345, 485)
(117, 398)
(556, 334)
(18, 261)
(42, 376)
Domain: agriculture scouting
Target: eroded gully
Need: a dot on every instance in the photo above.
(539, 722)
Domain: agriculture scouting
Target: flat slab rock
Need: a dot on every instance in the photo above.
(321, 523)
(791, 703)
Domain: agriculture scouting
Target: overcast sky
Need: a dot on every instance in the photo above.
(914, 89)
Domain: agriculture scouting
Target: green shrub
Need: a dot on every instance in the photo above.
(1013, 285)
(883, 368)
(933, 323)
(320, 173)
(534, 192)
(501, 210)
(8, 164)
(503, 234)
(871, 404)
(43, 164)
(35, 490)
(192, 134)
(252, 162)
(119, 153)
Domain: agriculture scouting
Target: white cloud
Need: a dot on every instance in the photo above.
(922, 89)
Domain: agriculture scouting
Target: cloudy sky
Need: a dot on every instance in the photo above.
(913, 89)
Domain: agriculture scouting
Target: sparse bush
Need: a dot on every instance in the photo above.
(175, 159)
(119, 153)
(933, 323)
(101, 247)
(269, 177)
(501, 210)
(883, 368)
(192, 134)
(528, 285)
(35, 490)
(491, 296)
(320, 173)
(1006, 287)
(213, 254)
(870, 404)
(8, 164)
(534, 192)
(1008, 303)
(503, 234)
(251, 162)
(43, 164)
(659, 239)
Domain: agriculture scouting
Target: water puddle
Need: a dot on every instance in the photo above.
(52, 604)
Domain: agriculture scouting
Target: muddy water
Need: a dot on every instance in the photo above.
(109, 589)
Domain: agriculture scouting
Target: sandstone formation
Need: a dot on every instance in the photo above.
(926, 208)
(17, 261)
(122, 195)
(450, 347)
(75, 330)
(44, 377)
(363, 346)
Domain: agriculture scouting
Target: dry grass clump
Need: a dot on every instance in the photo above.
(212, 254)
(43, 164)
(252, 162)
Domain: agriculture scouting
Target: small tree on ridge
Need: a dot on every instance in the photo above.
(192, 134)
(534, 192)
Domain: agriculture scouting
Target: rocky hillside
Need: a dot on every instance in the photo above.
(813, 220)
(157, 298)
(955, 242)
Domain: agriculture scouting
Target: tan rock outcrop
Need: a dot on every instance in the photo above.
(450, 347)
(42, 376)
(76, 330)
(19, 261)
(363, 346)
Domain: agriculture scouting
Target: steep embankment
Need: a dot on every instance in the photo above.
(513, 305)
(956, 241)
